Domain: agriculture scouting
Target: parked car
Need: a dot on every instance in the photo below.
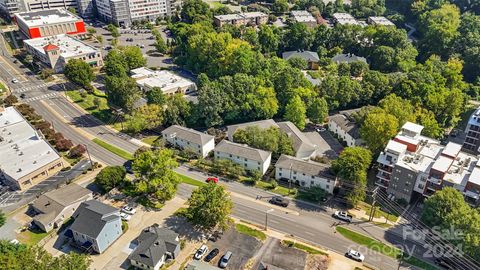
(225, 259)
(212, 179)
(277, 200)
(129, 210)
(211, 255)
(342, 216)
(355, 255)
(125, 216)
(128, 166)
(201, 252)
(14, 80)
(22, 95)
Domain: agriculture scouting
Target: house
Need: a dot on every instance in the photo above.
(263, 124)
(96, 226)
(302, 145)
(347, 58)
(154, 246)
(250, 158)
(345, 127)
(187, 138)
(54, 207)
(304, 17)
(199, 265)
(311, 57)
(344, 19)
(305, 173)
(380, 20)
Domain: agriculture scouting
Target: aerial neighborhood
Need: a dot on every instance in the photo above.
(205, 134)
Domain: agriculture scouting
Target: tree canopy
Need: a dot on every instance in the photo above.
(110, 177)
(79, 72)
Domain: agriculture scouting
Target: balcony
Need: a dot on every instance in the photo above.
(384, 168)
(383, 176)
(381, 183)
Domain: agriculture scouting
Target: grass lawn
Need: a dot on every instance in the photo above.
(150, 139)
(102, 112)
(370, 243)
(305, 248)
(379, 224)
(30, 237)
(250, 231)
(378, 213)
(187, 180)
(267, 186)
(117, 151)
(216, 5)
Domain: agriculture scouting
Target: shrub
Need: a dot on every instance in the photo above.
(77, 151)
(63, 145)
(10, 100)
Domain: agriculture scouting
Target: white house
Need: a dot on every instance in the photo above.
(250, 158)
(345, 127)
(305, 173)
(191, 139)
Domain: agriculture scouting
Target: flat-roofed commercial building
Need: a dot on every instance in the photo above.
(44, 23)
(26, 158)
(344, 19)
(55, 51)
(248, 18)
(169, 82)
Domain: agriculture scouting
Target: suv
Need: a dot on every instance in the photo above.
(225, 259)
(279, 201)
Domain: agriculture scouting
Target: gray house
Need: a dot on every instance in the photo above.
(311, 57)
(348, 58)
(96, 226)
(54, 207)
(154, 246)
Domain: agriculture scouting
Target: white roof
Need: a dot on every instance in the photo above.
(344, 18)
(163, 79)
(380, 20)
(452, 149)
(396, 147)
(442, 164)
(45, 17)
(475, 176)
(237, 16)
(412, 127)
(303, 16)
(69, 46)
(22, 150)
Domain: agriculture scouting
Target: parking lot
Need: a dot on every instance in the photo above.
(243, 247)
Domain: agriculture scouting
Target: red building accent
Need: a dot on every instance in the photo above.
(34, 32)
(410, 146)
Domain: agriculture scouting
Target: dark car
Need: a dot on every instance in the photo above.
(128, 166)
(22, 95)
(211, 255)
(277, 200)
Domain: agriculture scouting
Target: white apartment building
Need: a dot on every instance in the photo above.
(305, 173)
(55, 51)
(344, 19)
(187, 138)
(149, 9)
(345, 127)
(250, 158)
(10, 7)
(247, 18)
(169, 82)
(304, 17)
(380, 20)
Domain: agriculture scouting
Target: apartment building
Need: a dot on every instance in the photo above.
(114, 11)
(472, 131)
(345, 127)
(344, 19)
(305, 173)
(149, 10)
(54, 52)
(250, 158)
(169, 82)
(44, 23)
(10, 7)
(304, 17)
(187, 138)
(309, 56)
(415, 166)
(247, 18)
(26, 159)
(379, 20)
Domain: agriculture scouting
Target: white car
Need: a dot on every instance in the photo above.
(355, 255)
(129, 210)
(14, 80)
(125, 217)
(201, 252)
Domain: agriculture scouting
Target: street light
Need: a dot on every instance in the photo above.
(290, 179)
(266, 218)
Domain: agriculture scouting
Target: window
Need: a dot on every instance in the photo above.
(294, 172)
(279, 174)
(294, 178)
(327, 186)
(245, 159)
(313, 177)
(312, 182)
(230, 155)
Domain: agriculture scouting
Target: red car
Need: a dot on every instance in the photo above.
(212, 179)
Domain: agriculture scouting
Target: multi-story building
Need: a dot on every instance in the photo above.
(149, 10)
(187, 138)
(86, 8)
(120, 13)
(10, 7)
(305, 173)
(415, 166)
(169, 82)
(344, 19)
(304, 17)
(250, 158)
(345, 127)
(54, 52)
(44, 23)
(248, 18)
(380, 20)
(472, 132)
(26, 158)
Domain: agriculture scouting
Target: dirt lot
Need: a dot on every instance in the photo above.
(242, 246)
(276, 254)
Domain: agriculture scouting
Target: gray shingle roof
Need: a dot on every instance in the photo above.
(307, 55)
(308, 167)
(263, 124)
(301, 143)
(153, 243)
(348, 58)
(242, 150)
(91, 216)
(188, 134)
(344, 120)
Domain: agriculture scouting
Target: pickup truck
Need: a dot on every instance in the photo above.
(342, 216)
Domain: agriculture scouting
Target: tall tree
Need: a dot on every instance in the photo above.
(298, 37)
(195, 11)
(133, 57)
(177, 110)
(110, 177)
(3, 219)
(122, 91)
(79, 72)
(318, 110)
(295, 112)
(377, 129)
(115, 64)
(269, 39)
(209, 206)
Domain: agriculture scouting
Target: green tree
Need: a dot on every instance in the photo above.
(271, 139)
(318, 110)
(209, 206)
(156, 178)
(3, 219)
(99, 38)
(122, 91)
(299, 37)
(377, 129)
(358, 68)
(147, 116)
(280, 6)
(195, 11)
(298, 62)
(115, 64)
(444, 207)
(79, 72)
(72, 10)
(133, 57)
(177, 110)
(110, 177)
(269, 38)
(295, 112)
(113, 31)
(160, 45)
(156, 96)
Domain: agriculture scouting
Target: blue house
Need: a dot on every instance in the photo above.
(96, 226)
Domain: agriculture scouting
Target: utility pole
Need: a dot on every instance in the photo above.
(89, 157)
(266, 218)
(372, 210)
(290, 179)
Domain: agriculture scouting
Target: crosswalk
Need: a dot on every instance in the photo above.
(30, 88)
(46, 96)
